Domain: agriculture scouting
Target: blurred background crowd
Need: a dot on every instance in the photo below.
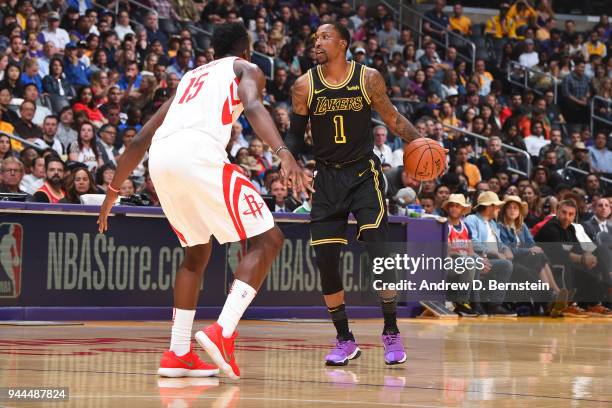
(510, 96)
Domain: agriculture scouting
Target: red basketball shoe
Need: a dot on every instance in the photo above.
(188, 365)
(220, 349)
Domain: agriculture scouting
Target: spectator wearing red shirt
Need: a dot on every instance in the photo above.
(514, 109)
(85, 102)
(51, 191)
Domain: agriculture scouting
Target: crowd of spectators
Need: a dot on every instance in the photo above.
(78, 82)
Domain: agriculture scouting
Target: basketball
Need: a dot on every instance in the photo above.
(424, 159)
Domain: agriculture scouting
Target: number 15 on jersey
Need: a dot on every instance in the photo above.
(195, 85)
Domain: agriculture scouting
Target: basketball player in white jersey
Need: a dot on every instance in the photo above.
(202, 194)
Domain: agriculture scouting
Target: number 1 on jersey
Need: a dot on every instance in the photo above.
(193, 83)
(339, 126)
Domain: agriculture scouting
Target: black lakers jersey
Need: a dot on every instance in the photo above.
(340, 116)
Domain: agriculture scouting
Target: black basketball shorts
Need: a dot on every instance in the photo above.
(356, 188)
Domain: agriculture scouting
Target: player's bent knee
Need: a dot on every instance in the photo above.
(328, 260)
(275, 237)
(331, 284)
(196, 257)
(272, 238)
(374, 235)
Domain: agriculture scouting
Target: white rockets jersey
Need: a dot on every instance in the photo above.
(206, 103)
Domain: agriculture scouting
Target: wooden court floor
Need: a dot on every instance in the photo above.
(470, 363)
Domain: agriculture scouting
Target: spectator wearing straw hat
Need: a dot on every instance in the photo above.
(530, 262)
(580, 160)
(487, 242)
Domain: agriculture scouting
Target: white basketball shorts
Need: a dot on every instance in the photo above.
(203, 195)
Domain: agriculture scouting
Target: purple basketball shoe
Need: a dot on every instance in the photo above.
(344, 351)
(394, 349)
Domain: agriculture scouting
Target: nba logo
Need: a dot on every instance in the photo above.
(11, 240)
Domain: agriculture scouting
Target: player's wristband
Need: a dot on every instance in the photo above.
(279, 148)
(111, 188)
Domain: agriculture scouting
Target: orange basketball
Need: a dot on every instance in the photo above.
(424, 159)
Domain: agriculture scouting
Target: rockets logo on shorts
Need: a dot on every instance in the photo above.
(11, 245)
(254, 206)
(242, 201)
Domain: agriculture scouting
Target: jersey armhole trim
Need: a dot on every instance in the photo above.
(311, 86)
(362, 84)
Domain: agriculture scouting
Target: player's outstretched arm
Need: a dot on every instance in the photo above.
(129, 160)
(252, 82)
(377, 91)
(299, 114)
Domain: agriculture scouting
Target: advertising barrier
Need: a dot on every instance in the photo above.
(52, 256)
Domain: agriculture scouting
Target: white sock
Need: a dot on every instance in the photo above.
(181, 331)
(240, 297)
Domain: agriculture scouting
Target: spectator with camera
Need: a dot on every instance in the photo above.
(128, 188)
(148, 195)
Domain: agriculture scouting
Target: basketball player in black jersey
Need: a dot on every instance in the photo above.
(338, 96)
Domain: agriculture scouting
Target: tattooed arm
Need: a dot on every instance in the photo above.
(377, 92)
(298, 119)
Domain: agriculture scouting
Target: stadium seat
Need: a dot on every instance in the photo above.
(57, 102)
(477, 30)
(264, 64)
(202, 41)
(483, 53)
(456, 42)
(167, 26)
(479, 41)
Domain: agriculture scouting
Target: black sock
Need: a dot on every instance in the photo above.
(338, 315)
(389, 310)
